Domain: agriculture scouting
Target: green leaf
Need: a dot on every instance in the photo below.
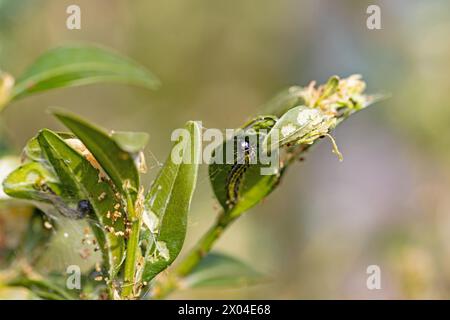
(218, 270)
(301, 125)
(81, 178)
(131, 142)
(25, 182)
(80, 65)
(33, 151)
(118, 164)
(7, 165)
(168, 202)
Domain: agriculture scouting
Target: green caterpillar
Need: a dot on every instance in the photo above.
(235, 179)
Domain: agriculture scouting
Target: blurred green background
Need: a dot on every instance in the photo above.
(387, 204)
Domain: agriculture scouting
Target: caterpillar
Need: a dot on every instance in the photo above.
(235, 176)
(234, 181)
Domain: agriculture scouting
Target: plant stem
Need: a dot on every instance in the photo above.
(193, 258)
(204, 245)
(173, 280)
(131, 254)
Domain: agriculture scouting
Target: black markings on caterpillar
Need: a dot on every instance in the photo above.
(234, 181)
(235, 178)
(236, 175)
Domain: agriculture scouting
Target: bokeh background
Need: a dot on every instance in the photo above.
(387, 204)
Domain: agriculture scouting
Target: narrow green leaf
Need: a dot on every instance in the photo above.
(81, 178)
(168, 202)
(220, 270)
(118, 164)
(80, 65)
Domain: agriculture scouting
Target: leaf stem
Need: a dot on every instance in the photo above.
(173, 280)
(131, 255)
(198, 252)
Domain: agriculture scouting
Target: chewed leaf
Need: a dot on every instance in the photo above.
(25, 182)
(220, 270)
(78, 175)
(168, 202)
(80, 65)
(300, 125)
(118, 163)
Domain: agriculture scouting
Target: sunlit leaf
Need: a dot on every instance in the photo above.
(78, 175)
(80, 65)
(25, 181)
(118, 164)
(301, 125)
(168, 203)
(7, 165)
